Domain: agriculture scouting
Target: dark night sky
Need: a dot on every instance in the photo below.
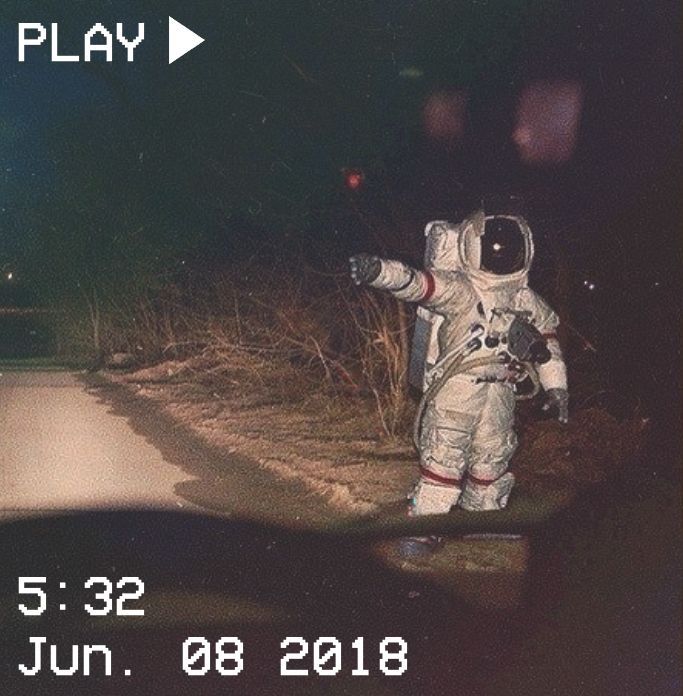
(622, 52)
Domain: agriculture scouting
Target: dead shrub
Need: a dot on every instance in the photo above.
(338, 339)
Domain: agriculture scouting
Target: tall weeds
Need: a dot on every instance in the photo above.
(342, 340)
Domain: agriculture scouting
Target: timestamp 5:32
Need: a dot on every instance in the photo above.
(108, 596)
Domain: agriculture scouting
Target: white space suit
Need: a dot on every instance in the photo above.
(471, 294)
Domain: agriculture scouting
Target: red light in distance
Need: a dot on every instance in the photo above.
(353, 179)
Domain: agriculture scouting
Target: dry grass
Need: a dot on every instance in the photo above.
(340, 340)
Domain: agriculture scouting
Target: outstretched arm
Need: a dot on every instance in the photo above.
(402, 281)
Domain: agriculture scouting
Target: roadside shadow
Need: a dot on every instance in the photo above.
(224, 483)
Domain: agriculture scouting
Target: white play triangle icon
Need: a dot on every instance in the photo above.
(181, 40)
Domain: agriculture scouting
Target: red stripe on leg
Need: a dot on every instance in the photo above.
(483, 482)
(444, 480)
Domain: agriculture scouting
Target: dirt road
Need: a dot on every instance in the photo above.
(70, 443)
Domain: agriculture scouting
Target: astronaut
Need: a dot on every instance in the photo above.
(480, 329)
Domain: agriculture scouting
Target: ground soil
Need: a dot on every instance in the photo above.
(333, 444)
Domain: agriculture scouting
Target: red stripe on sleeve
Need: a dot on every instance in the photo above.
(431, 287)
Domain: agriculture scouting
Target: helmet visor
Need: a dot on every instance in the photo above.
(503, 247)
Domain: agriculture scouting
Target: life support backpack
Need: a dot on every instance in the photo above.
(441, 253)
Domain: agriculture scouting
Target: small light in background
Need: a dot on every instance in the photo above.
(547, 125)
(10, 276)
(444, 116)
(353, 179)
(589, 285)
(411, 72)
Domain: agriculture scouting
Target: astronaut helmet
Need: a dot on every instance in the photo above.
(496, 246)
